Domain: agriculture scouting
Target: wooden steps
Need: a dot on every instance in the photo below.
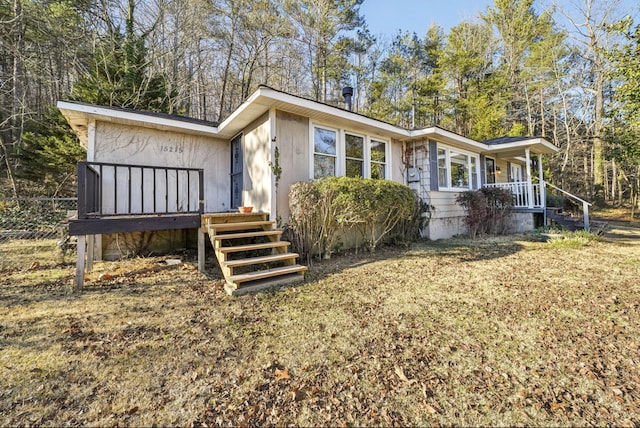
(262, 259)
(218, 236)
(573, 223)
(250, 253)
(253, 247)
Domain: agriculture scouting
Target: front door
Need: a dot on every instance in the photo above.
(490, 170)
(236, 172)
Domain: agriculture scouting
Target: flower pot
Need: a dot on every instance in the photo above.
(245, 210)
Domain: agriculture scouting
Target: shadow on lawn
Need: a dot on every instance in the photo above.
(470, 250)
(462, 250)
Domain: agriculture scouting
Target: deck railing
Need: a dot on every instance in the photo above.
(109, 189)
(520, 192)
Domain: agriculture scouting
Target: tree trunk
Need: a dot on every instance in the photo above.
(614, 180)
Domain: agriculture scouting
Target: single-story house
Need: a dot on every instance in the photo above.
(149, 171)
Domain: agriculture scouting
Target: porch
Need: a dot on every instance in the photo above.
(119, 198)
(526, 195)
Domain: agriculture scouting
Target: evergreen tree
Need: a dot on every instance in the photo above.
(120, 74)
(48, 157)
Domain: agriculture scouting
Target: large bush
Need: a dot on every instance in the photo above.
(376, 209)
(487, 210)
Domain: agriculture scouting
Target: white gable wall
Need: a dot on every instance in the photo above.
(256, 190)
(292, 140)
(133, 145)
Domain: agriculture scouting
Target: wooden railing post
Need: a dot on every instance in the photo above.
(82, 190)
(201, 191)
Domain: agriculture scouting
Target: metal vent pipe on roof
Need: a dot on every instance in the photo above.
(347, 93)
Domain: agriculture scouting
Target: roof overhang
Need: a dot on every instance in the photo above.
(80, 116)
(517, 148)
(447, 137)
(265, 99)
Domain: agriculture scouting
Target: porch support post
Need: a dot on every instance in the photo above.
(527, 153)
(543, 196)
(91, 242)
(82, 244)
(200, 250)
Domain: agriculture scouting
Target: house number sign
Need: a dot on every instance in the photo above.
(171, 149)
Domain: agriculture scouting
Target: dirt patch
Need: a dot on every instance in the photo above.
(503, 331)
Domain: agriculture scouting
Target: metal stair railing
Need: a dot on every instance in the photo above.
(585, 204)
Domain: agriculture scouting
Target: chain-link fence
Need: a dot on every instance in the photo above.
(34, 226)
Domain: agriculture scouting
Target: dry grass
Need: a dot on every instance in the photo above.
(501, 331)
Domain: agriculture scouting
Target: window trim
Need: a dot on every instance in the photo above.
(369, 161)
(365, 145)
(312, 148)
(448, 185)
(341, 158)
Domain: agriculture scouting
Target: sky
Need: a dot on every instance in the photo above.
(388, 16)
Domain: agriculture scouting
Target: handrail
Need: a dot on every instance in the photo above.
(568, 194)
(585, 204)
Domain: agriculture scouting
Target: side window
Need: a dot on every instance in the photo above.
(354, 150)
(378, 159)
(324, 156)
(456, 169)
(442, 168)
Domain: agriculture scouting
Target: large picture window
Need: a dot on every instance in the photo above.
(325, 152)
(337, 153)
(457, 169)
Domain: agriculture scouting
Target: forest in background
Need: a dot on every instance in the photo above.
(569, 72)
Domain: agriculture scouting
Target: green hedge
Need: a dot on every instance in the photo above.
(377, 209)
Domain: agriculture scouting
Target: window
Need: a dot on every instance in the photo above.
(325, 153)
(337, 152)
(443, 181)
(378, 159)
(354, 149)
(457, 169)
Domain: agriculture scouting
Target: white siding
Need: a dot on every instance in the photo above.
(256, 190)
(124, 144)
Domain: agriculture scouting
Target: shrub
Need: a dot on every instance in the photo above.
(312, 222)
(475, 204)
(377, 209)
(554, 200)
(499, 205)
(487, 210)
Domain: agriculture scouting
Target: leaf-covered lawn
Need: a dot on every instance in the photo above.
(500, 331)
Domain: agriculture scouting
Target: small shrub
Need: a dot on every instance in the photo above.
(475, 204)
(555, 201)
(499, 205)
(487, 210)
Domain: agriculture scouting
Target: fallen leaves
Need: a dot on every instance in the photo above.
(282, 374)
(488, 335)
